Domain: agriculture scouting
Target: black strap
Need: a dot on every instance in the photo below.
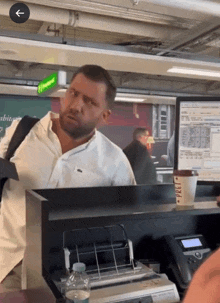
(23, 128)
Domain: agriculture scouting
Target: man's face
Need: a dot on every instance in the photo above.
(143, 139)
(84, 107)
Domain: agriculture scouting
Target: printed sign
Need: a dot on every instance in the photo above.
(14, 107)
(48, 83)
(52, 83)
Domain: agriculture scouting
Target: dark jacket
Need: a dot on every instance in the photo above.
(141, 163)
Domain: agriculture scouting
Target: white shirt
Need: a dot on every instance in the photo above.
(41, 164)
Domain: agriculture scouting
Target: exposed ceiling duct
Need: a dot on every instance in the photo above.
(150, 45)
(123, 9)
(94, 21)
(146, 26)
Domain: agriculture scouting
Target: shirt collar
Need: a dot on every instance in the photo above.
(86, 145)
(46, 122)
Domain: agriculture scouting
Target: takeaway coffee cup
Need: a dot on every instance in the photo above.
(185, 187)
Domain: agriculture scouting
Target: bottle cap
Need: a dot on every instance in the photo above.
(79, 267)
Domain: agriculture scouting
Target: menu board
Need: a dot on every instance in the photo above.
(199, 138)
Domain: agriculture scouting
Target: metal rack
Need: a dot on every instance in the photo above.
(108, 260)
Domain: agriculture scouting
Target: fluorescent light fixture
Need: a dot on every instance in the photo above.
(128, 99)
(202, 6)
(192, 71)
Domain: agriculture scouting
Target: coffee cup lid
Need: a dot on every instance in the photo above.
(185, 172)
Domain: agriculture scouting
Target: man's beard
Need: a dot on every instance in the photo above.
(76, 129)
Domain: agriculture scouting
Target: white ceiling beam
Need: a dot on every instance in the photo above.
(75, 56)
(21, 90)
(8, 89)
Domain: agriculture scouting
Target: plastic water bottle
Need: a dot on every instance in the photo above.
(77, 288)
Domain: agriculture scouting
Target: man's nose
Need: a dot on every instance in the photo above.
(77, 103)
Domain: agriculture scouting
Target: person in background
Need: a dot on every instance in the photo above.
(150, 144)
(61, 150)
(139, 158)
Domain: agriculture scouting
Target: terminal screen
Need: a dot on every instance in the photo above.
(191, 243)
(199, 138)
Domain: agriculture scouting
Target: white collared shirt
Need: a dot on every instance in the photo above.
(40, 164)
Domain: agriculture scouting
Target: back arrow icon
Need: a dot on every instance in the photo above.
(18, 13)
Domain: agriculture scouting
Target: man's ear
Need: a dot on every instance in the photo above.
(105, 117)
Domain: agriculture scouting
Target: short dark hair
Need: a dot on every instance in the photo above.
(140, 131)
(98, 74)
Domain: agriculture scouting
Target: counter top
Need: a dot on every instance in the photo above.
(208, 207)
(82, 218)
(82, 207)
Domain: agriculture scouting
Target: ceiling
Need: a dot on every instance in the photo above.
(137, 41)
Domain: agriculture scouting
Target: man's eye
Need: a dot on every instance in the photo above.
(73, 93)
(88, 101)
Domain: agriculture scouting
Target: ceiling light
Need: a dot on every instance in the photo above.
(127, 99)
(202, 6)
(192, 71)
(117, 98)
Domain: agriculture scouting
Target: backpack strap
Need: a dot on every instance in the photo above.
(23, 128)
